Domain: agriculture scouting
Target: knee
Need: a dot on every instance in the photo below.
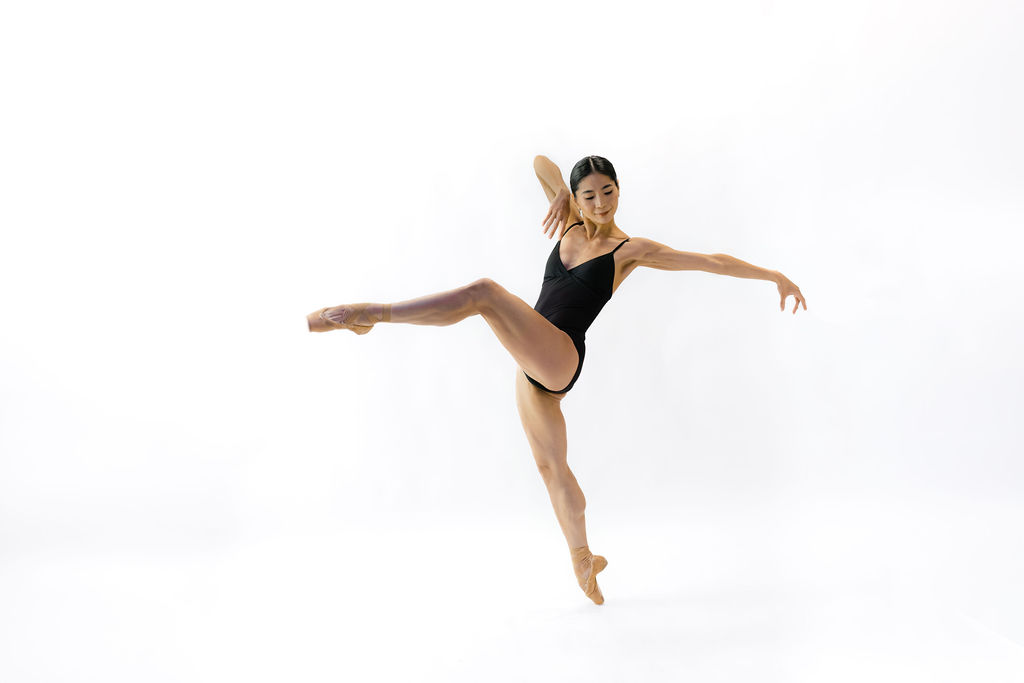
(552, 471)
(483, 290)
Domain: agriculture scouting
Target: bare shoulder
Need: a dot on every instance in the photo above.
(638, 243)
(636, 249)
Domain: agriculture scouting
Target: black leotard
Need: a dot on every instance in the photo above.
(571, 298)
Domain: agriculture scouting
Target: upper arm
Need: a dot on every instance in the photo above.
(656, 255)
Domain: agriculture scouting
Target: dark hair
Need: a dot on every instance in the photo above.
(587, 166)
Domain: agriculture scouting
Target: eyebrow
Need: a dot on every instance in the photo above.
(608, 185)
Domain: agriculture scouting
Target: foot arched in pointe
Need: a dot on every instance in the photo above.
(587, 566)
(353, 317)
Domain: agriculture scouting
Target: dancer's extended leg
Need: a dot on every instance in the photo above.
(442, 308)
(542, 350)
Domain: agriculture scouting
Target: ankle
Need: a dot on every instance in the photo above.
(580, 555)
(370, 313)
(376, 313)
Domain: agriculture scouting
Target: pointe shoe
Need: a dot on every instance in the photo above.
(318, 322)
(587, 566)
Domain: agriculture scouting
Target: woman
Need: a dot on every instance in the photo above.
(589, 262)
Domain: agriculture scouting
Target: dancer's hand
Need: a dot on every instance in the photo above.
(786, 287)
(555, 220)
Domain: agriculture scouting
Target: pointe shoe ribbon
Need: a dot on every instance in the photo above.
(587, 566)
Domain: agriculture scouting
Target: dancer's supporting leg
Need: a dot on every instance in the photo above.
(544, 424)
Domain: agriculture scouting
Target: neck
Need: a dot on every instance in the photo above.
(599, 230)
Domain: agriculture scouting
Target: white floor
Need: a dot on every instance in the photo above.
(811, 591)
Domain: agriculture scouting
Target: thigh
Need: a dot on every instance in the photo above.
(543, 351)
(544, 424)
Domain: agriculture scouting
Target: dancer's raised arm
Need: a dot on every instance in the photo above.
(563, 206)
(656, 255)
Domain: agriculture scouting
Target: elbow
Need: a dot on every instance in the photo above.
(542, 164)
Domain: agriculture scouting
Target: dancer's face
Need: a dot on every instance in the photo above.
(598, 197)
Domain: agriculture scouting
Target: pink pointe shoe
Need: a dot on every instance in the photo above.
(587, 565)
(319, 322)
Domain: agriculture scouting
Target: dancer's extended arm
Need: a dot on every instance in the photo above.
(656, 255)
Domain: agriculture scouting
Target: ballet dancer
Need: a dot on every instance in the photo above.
(547, 340)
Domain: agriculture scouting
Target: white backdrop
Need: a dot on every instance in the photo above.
(194, 487)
